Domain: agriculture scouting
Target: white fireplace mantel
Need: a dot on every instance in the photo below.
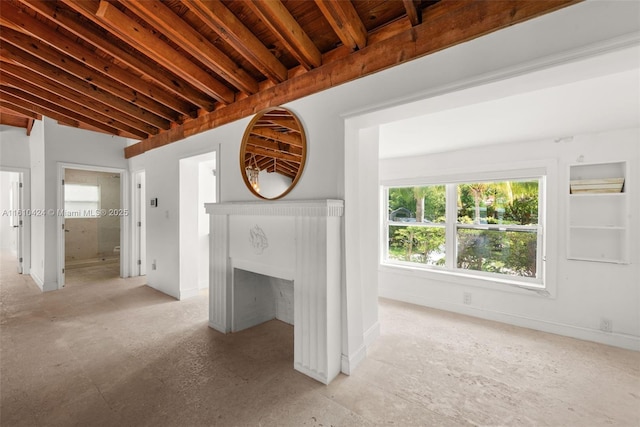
(312, 208)
(299, 240)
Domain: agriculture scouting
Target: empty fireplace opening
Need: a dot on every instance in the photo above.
(258, 298)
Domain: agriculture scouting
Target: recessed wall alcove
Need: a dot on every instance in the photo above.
(299, 241)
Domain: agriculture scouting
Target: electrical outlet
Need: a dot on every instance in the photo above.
(153, 265)
(466, 298)
(605, 324)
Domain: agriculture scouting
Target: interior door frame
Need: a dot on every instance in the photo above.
(138, 215)
(125, 241)
(24, 229)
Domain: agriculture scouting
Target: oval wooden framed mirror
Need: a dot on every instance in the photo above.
(273, 153)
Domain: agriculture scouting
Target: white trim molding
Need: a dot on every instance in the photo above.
(303, 208)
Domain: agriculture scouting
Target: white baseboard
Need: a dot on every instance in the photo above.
(163, 291)
(188, 293)
(38, 281)
(315, 375)
(349, 364)
(371, 334)
(219, 328)
(44, 286)
(617, 340)
(49, 286)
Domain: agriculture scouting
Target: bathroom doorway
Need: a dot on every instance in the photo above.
(92, 216)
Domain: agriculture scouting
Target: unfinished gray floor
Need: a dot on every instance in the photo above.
(111, 352)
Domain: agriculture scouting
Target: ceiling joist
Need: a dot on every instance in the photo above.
(94, 35)
(480, 18)
(125, 112)
(15, 76)
(147, 42)
(133, 88)
(185, 36)
(288, 138)
(221, 20)
(344, 20)
(284, 26)
(161, 71)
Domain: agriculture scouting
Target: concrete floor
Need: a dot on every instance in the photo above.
(110, 352)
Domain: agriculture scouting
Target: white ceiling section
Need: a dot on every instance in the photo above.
(592, 95)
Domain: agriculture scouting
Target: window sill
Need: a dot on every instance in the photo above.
(497, 284)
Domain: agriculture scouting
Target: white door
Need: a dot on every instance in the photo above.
(18, 221)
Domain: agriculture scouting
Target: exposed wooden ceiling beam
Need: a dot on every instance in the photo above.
(264, 162)
(275, 146)
(135, 34)
(95, 110)
(173, 85)
(415, 17)
(166, 106)
(275, 154)
(15, 121)
(11, 115)
(30, 126)
(123, 111)
(39, 86)
(125, 99)
(285, 122)
(49, 109)
(284, 26)
(271, 164)
(288, 138)
(346, 23)
(283, 165)
(16, 111)
(221, 20)
(185, 36)
(480, 18)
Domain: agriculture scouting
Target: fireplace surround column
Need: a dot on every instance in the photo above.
(301, 237)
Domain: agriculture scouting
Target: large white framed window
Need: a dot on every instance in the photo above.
(81, 201)
(488, 226)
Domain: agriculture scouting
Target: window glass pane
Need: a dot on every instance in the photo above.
(504, 202)
(417, 204)
(424, 245)
(81, 201)
(79, 193)
(505, 252)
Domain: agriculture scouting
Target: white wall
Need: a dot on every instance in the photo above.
(14, 146)
(37, 172)
(556, 37)
(67, 145)
(584, 291)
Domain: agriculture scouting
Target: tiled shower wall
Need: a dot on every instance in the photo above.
(90, 238)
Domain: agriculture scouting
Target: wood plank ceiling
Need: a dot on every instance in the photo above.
(159, 71)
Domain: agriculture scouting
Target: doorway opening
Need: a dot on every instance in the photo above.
(14, 221)
(198, 185)
(93, 214)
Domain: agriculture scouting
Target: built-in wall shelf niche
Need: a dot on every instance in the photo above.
(598, 212)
